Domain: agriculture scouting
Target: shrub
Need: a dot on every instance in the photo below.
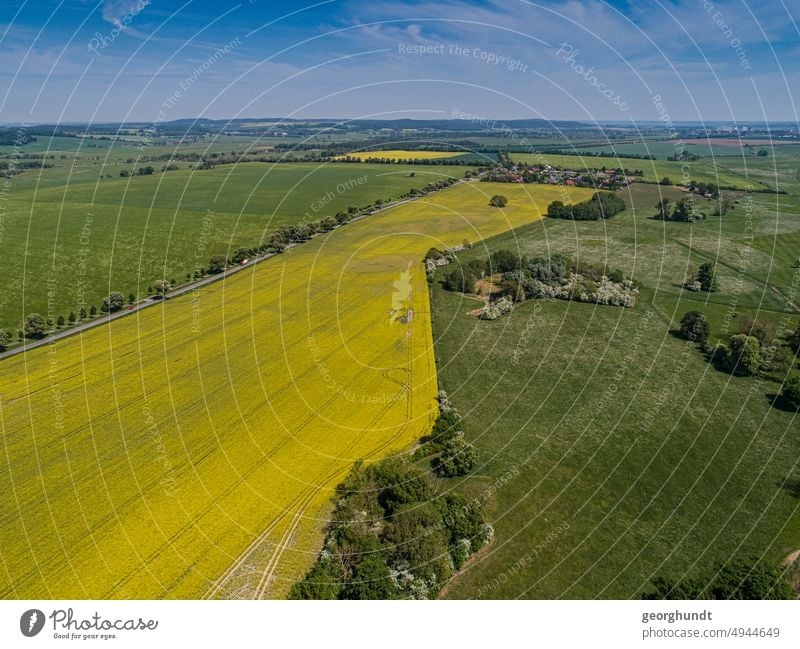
(114, 302)
(461, 279)
(743, 355)
(742, 579)
(458, 457)
(706, 277)
(35, 326)
(503, 261)
(496, 309)
(240, 254)
(217, 264)
(791, 392)
(694, 326)
(162, 286)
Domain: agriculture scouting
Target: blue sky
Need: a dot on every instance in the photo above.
(593, 60)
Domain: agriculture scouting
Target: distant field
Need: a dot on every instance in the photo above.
(122, 234)
(613, 451)
(654, 170)
(398, 154)
(222, 421)
(714, 147)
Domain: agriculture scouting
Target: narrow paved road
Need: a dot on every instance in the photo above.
(181, 290)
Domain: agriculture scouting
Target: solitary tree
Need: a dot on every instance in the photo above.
(114, 302)
(93, 311)
(131, 298)
(5, 341)
(241, 254)
(72, 317)
(744, 355)
(791, 391)
(35, 326)
(162, 286)
(706, 277)
(498, 201)
(217, 264)
(694, 326)
(82, 313)
(662, 208)
(61, 322)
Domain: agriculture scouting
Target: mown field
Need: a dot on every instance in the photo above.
(85, 239)
(191, 450)
(654, 170)
(611, 450)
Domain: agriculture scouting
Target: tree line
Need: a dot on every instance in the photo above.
(399, 531)
(602, 205)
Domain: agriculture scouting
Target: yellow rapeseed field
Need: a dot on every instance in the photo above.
(191, 450)
(398, 154)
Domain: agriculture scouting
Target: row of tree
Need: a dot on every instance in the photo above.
(396, 532)
(682, 210)
(602, 205)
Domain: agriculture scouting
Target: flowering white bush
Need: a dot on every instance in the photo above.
(496, 309)
(693, 286)
(432, 264)
(577, 287)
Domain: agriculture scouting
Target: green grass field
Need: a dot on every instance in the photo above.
(611, 450)
(88, 238)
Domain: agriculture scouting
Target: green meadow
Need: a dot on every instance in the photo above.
(68, 242)
(611, 450)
